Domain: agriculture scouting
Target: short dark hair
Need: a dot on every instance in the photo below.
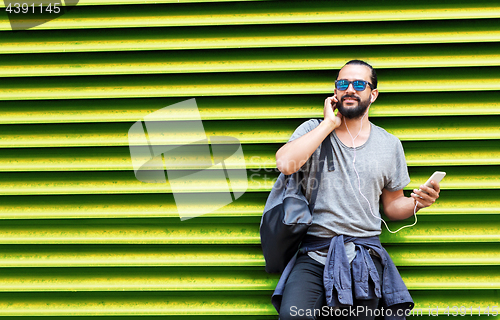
(373, 77)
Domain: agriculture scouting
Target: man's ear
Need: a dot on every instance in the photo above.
(373, 95)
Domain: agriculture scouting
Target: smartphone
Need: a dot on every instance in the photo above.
(336, 106)
(436, 176)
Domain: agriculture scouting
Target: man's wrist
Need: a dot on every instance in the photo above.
(415, 205)
(329, 124)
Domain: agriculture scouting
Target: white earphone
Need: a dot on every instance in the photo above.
(359, 180)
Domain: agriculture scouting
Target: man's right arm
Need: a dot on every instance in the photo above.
(294, 154)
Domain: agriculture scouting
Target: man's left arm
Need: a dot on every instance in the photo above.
(399, 207)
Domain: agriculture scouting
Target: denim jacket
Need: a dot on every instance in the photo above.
(337, 275)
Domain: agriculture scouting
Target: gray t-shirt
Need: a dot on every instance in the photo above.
(340, 208)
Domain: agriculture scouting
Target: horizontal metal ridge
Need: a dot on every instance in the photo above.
(143, 2)
(251, 316)
(252, 36)
(185, 304)
(245, 131)
(136, 279)
(444, 254)
(251, 205)
(133, 231)
(434, 302)
(129, 255)
(428, 104)
(131, 303)
(215, 304)
(242, 84)
(451, 278)
(429, 231)
(160, 14)
(255, 156)
(173, 231)
(123, 182)
(39, 256)
(124, 279)
(253, 59)
(248, 316)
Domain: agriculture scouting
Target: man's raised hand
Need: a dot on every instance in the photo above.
(329, 114)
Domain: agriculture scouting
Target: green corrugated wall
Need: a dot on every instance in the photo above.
(81, 236)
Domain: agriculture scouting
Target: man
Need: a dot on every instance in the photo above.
(369, 166)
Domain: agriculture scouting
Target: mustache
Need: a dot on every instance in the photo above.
(350, 96)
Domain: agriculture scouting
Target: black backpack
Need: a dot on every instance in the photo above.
(287, 215)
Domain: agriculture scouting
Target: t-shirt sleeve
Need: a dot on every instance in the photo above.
(304, 128)
(399, 177)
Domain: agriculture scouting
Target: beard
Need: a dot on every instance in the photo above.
(353, 112)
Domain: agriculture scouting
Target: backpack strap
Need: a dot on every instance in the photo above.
(324, 155)
(329, 155)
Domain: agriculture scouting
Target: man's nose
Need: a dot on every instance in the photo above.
(350, 88)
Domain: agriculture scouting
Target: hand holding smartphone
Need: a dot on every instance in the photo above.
(436, 177)
(329, 111)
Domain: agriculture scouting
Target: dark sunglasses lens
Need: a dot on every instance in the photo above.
(359, 85)
(342, 85)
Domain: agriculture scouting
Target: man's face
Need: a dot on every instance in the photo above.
(353, 104)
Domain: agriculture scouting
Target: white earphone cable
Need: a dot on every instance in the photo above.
(359, 180)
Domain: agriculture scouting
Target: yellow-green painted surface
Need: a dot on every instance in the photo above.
(82, 238)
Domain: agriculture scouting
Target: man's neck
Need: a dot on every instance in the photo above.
(359, 130)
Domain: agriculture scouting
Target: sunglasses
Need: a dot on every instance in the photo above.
(358, 85)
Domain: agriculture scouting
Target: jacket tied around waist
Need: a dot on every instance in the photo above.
(338, 281)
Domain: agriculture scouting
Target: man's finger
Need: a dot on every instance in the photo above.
(425, 198)
(435, 185)
(430, 191)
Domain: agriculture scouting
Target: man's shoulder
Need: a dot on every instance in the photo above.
(384, 135)
(304, 128)
(310, 124)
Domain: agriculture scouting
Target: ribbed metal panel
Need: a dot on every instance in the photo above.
(246, 13)
(82, 238)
